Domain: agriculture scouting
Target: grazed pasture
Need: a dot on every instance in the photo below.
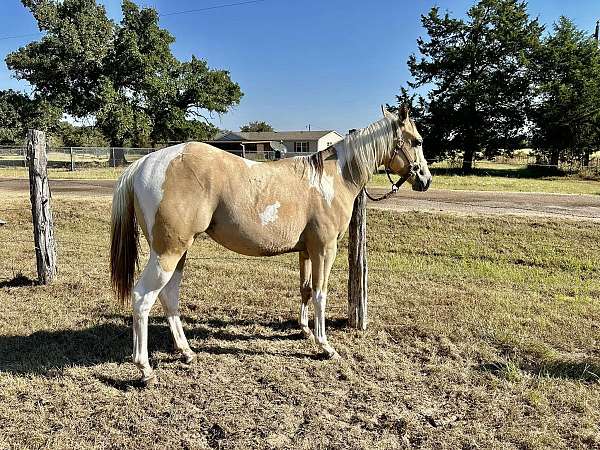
(484, 333)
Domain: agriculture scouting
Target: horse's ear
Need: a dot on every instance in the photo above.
(386, 113)
(403, 113)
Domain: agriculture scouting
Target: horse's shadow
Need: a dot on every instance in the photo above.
(47, 352)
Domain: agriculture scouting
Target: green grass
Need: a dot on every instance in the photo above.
(483, 333)
(506, 178)
(487, 177)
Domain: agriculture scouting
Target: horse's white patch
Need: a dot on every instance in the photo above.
(149, 179)
(323, 184)
(269, 215)
(250, 163)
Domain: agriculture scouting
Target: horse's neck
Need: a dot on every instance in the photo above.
(349, 171)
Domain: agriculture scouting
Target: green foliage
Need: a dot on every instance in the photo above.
(257, 126)
(65, 64)
(567, 112)
(122, 75)
(477, 70)
(18, 112)
(79, 136)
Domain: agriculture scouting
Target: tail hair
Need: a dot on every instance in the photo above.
(124, 237)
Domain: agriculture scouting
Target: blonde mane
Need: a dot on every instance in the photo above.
(361, 152)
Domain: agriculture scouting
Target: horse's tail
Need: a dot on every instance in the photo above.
(124, 236)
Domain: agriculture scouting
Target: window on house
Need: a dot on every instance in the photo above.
(301, 146)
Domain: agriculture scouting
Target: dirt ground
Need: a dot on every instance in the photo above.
(559, 206)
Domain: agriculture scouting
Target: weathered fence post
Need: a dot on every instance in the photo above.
(72, 161)
(357, 261)
(39, 192)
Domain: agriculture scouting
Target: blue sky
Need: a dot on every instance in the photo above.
(327, 63)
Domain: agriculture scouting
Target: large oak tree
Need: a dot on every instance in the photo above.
(124, 76)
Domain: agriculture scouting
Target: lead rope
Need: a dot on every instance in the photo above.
(393, 190)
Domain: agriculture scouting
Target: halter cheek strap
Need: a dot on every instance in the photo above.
(414, 167)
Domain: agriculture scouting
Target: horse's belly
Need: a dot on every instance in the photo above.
(253, 241)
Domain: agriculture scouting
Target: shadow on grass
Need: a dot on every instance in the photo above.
(587, 370)
(45, 352)
(508, 172)
(19, 280)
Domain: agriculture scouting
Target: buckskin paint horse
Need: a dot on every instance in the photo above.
(300, 204)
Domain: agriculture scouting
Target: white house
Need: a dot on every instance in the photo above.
(265, 141)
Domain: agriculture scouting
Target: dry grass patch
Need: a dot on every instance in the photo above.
(483, 334)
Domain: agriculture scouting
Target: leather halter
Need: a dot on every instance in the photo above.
(412, 171)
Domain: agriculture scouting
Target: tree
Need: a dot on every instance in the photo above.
(79, 136)
(566, 114)
(256, 126)
(480, 84)
(124, 75)
(18, 112)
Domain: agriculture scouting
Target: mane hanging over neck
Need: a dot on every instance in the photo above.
(365, 149)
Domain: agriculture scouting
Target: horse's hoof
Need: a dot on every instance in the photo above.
(308, 334)
(150, 380)
(334, 356)
(189, 357)
(330, 353)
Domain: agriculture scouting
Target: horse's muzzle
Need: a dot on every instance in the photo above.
(422, 182)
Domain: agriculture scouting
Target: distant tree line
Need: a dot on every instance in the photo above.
(497, 82)
(121, 77)
(256, 126)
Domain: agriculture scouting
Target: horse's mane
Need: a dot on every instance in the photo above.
(360, 152)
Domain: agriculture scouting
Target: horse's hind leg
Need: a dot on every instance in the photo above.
(169, 298)
(152, 281)
(322, 261)
(305, 293)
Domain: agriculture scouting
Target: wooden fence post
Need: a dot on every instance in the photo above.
(357, 261)
(39, 192)
(72, 160)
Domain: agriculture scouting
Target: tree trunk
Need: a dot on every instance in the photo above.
(117, 157)
(554, 157)
(586, 157)
(469, 154)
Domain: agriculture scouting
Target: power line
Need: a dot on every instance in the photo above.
(211, 7)
(189, 11)
(19, 36)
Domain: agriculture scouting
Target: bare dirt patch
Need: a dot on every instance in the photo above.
(561, 206)
(564, 206)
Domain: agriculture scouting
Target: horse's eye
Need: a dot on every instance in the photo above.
(418, 142)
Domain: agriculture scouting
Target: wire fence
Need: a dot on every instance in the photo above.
(78, 158)
(74, 158)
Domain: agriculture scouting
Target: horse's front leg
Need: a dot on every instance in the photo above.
(305, 293)
(322, 260)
